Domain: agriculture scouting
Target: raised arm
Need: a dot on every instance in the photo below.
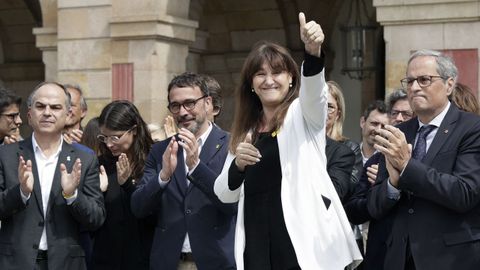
(313, 89)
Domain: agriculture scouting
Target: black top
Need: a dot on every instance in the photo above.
(123, 241)
(268, 245)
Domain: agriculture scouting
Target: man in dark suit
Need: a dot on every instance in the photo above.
(431, 193)
(10, 119)
(194, 229)
(48, 191)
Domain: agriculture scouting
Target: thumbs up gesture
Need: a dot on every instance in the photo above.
(312, 35)
(247, 154)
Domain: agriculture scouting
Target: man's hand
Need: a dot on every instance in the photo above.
(394, 174)
(169, 160)
(190, 145)
(25, 176)
(75, 135)
(372, 172)
(124, 170)
(169, 126)
(391, 142)
(70, 181)
(103, 179)
(246, 153)
(312, 35)
(11, 139)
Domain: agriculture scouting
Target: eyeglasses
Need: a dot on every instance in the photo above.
(188, 105)
(11, 116)
(423, 81)
(114, 138)
(331, 108)
(406, 114)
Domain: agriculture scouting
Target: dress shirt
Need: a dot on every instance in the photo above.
(394, 193)
(46, 170)
(365, 158)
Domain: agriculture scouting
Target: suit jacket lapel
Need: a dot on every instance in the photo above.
(448, 124)
(27, 152)
(67, 156)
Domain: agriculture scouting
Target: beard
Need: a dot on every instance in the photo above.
(193, 125)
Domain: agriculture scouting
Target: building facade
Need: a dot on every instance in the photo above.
(119, 49)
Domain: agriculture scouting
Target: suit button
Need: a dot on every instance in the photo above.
(41, 224)
(188, 211)
(35, 246)
(411, 211)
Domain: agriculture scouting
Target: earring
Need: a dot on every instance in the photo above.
(253, 90)
(290, 85)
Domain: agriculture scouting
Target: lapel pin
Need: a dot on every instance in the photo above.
(445, 131)
(68, 158)
(217, 146)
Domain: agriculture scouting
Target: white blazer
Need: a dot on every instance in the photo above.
(322, 238)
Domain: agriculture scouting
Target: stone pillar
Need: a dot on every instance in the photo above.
(84, 49)
(154, 36)
(47, 42)
(430, 24)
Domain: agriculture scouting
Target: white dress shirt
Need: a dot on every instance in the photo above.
(46, 167)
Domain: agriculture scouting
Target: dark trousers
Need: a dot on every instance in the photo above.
(41, 265)
(42, 260)
(409, 263)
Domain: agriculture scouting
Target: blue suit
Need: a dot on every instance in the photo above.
(194, 208)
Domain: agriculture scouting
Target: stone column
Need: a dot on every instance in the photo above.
(155, 36)
(84, 49)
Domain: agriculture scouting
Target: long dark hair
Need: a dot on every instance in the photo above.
(122, 115)
(89, 137)
(248, 107)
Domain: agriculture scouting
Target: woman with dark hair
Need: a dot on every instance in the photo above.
(289, 214)
(90, 133)
(123, 242)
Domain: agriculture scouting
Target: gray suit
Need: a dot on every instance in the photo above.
(22, 225)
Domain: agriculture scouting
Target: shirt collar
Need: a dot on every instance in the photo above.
(438, 119)
(37, 149)
(201, 140)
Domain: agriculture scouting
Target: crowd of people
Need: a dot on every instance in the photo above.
(285, 189)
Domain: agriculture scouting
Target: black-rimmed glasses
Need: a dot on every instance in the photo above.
(407, 114)
(11, 116)
(423, 81)
(188, 104)
(114, 138)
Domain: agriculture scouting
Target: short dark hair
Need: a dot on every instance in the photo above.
(214, 91)
(399, 94)
(188, 79)
(374, 105)
(68, 102)
(8, 98)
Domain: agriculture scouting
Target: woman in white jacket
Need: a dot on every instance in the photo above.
(289, 215)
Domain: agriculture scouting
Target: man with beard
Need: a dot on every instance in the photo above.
(10, 119)
(374, 117)
(194, 229)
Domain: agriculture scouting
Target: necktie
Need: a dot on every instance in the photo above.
(420, 149)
